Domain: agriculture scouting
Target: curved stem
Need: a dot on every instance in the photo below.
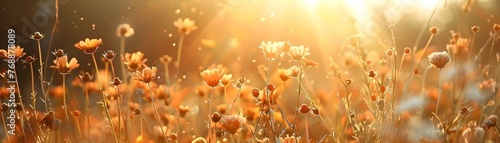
(41, 74)
(298, 100)
(492, 45)
(66, 106)
(156, 111)
(104, 98)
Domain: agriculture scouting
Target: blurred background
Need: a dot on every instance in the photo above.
(230, 31)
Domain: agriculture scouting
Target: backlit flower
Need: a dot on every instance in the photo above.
(271, 49)
(283, 74)
(36, 36)
(89, 46)
(185, 26)
(439, 59)
(294, 71)
(226, 79)
(134, 61)
(124, 30)
(18, 53)
(109, 55)
(146, 75)
(232, 123)
(212, 76)
(62, 65)
(298, 52)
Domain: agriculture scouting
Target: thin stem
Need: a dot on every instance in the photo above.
(147, 125)
(104, 98)
(234, 101)
(119, 111)
(492, 45)
(87, 105)
(472, 45)
(22, 106)
(167, 76)
(179, 54)
(78, 126)
(307, 127)
(122, 53)
(439, 91)
(298, 99)
(156, 111)
(210, 137)
(33, 96)
(66, 105)
(41, 71)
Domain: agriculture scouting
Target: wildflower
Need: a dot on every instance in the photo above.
(147, 75)
(298, 52)
(62, 65)
(29, 59)
(271, 49)
(487, 85)
(294, 71)
(183, 110)
(255, 92)
(165, 59)
(36, 36)
(286, 45)
(475, 29)
(161, 92)
(371, 74)
(18, 53)
(185, 26)
(433, 30)
(283, 74)
(439, 59)
(215, 117)
(226, 79)
(137, 111)
(116, 81)
(85, 77)
(315, 111)
(389, 52)
(59, 53)
(289, 139)
(109, 55)
(173, 136)
(222, 108)
(232, 123)
(304, 108)
(124, 30)
(212, 76)
(89, 46)
(134, 61)
(407, 50)
(496, 27)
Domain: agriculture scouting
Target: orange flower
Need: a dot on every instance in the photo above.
(147, 75)
(134, 61)
(18, 53)
(226, 79)
(124, 30)
(232, 123)
(298, 52)
(185, 26)
(212, 76)
(283, 74)
(89, 46)
(294, 71)
(62, 65)
(439, 59)
(271, 49)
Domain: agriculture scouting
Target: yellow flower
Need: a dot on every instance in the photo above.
(294, 71)
(89, 46)
(226, 79)
(283, 74)
(212, 76)
(62, 65)
(439, 59)
(185, 26)
(271, 49)
(18, 53)
(124, 30)
(147, 75)
(134, 61)
(298, 52)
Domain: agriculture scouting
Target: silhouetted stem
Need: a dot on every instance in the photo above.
(156, 111)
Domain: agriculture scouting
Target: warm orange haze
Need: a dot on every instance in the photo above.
(256, 71)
